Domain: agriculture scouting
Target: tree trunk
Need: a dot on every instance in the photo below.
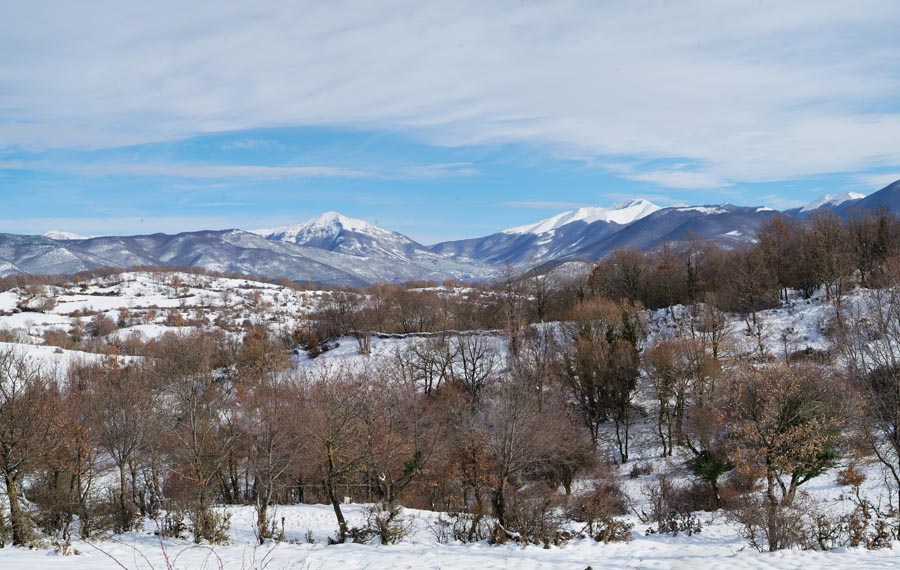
(336, 505)
(21, 530)
(332, 497)
(771, 510)
(621, 423)
(262, 519)
(500, 502)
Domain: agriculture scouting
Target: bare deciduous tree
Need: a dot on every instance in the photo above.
(28, 420)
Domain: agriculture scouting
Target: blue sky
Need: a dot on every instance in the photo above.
(439, 120)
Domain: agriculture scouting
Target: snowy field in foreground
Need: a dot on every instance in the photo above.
(719, 545)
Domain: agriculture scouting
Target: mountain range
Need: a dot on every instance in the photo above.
(335, 249)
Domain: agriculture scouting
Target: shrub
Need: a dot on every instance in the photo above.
(535, 519)
(172, 525)
(850, 476)
(613, 530)
(769, 527)
(605, 500)
(101, 326)
(865, 526)
(461, 527)
(387, 523)
(11, 335)
(672, 505)
(57, 337)
(209, 525)
(384, 522)
(640, 469)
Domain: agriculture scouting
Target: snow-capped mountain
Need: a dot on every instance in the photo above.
(888, 198)
(335, 249)
(725, 224)
(371, 244)
(325, 227)
(557, 237)
(226, 251)
(621, 213)
(60, 235)
(336, 232)
(832, 200)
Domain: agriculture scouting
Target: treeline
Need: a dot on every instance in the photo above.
(803, 255)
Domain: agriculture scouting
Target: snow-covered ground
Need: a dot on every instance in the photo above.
(718, 545)
(797, 324)
(151, 304)
(151, 300)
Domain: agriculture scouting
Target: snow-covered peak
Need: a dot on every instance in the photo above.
(621, 213)
(59, 235)
(832, 200)
(326, 224)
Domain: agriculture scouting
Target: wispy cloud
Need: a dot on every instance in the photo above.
(213, 171)
(680, 179)
(440, 170)
(752, 92)
(874, 182)
(255, 145)
(541, 204)
(231, 171)
(220, 204)
(661, 199)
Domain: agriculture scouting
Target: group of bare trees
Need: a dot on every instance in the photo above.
(800, 254)
(201, 420)
(491, 425)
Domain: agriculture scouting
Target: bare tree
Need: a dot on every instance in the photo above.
(339, 400)
(621, 277)
(477, 360)
(271, 423)
(28, 420)
(403, 431)
(117, 397)
(682, 375)
(430, 361)
(711, 325)
(868, 335)
(601, 366)
(201, 397)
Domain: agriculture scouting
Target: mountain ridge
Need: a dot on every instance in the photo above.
(336, 249)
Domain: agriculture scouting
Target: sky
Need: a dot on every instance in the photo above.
(441, 120)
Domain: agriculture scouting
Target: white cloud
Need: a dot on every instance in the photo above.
(231, 171)
(679, 179)
(122, 225)
(210, 170)
(440, 170)
(879, 181)
(255, 145)
(541, 204)
(752, 91)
